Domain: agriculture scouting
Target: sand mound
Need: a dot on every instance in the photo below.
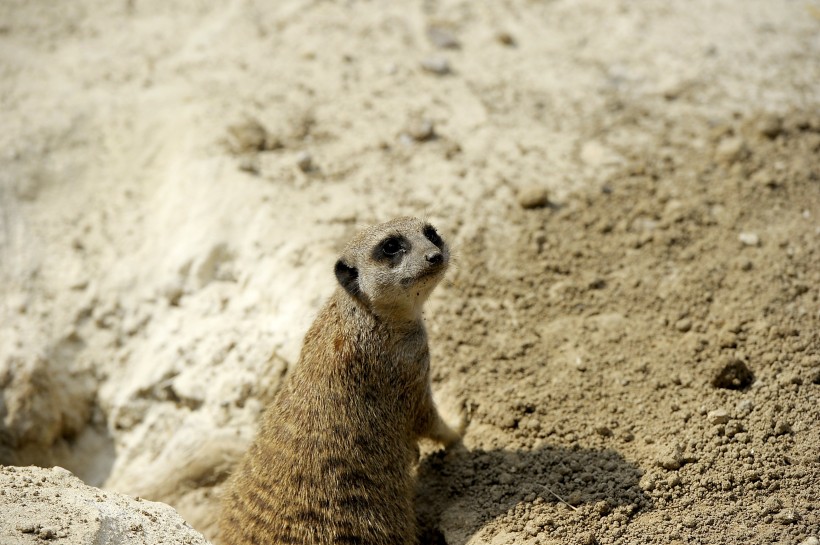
(42, 505)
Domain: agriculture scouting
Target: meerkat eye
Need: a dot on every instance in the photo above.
(391, 246)
(432, 235)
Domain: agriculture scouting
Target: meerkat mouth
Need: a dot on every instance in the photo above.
(424, 275)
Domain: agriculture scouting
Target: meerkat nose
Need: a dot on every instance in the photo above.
(434, 258)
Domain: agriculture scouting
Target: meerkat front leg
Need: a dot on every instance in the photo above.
(434, 427)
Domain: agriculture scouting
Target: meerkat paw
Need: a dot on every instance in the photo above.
(450, 430)
(459, 425)
(448, 436)
(450, 418)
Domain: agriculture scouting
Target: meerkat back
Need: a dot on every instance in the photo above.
(332, 461)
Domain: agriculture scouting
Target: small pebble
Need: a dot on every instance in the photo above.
(17, 303)
(683, 325)
(505, 38)
(671, 459)
(718, 416)
(61, 471)
(247, 136)
(745, 406)
(304, 161)
(811, 541)
(603, 508)
(249, 163)
(782, 428)
(533, 196)
(508, 421)
(727, 339)
(770, 126)
(787, 516)
(730, 149)
(436, 65)
(442, 38)
(603, 431)
(421, 130)
(48, 532)
(772, 505)
(531, 424)
(749, 239)
(173, 290)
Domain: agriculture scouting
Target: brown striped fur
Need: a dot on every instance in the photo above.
(333, 458)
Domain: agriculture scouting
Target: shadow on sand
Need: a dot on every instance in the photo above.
(461, 492)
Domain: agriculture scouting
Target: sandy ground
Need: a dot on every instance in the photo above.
(632, 191)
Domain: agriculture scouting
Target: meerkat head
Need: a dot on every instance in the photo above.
(393, 267)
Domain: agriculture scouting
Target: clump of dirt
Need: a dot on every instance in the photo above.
(640, 361)
(734, 375)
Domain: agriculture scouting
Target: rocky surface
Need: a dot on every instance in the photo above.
(53, 506)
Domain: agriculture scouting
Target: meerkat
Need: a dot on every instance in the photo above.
(332, 461)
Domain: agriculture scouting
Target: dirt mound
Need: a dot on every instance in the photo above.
(641, 360)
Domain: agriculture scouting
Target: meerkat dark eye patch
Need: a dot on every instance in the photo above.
(433, 236)
(391, 248)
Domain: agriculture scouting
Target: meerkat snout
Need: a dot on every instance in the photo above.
(434, 258)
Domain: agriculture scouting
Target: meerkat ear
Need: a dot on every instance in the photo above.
(348, 277)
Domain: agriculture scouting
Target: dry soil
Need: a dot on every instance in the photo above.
(632, 191)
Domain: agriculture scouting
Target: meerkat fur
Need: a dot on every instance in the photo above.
(332, 462)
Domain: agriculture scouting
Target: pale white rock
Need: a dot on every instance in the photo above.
(304, 161)
(71, 512)
(596, 154)
(718, 416)
(730, 149)
(749, 239)
(436, 65)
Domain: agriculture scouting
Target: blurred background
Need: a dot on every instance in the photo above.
(630, 189)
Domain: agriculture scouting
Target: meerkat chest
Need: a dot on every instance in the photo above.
(410, 354)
